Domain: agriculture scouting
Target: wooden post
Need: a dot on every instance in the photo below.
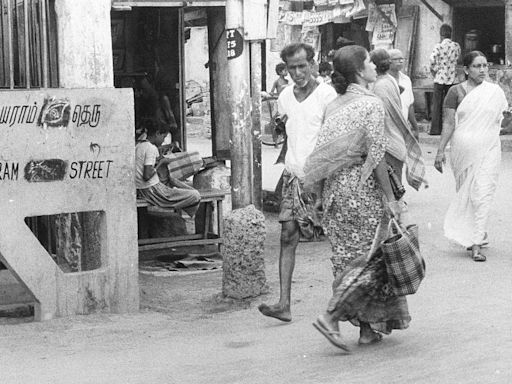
(508, 32)
(256, 122)
(238, 79)
(218, 67)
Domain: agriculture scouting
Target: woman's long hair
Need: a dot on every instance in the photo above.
(347, 62)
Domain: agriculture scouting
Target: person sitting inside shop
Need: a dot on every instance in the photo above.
(175, 194)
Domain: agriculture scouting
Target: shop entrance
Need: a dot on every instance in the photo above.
(148, 57)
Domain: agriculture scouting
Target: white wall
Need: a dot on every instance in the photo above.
(196, 56)
(427, 37)
(85, 43)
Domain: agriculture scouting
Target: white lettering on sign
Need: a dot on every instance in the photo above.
(234, 43)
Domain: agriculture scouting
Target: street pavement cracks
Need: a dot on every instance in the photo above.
(187, 333)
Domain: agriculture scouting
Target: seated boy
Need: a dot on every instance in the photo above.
(176, 194)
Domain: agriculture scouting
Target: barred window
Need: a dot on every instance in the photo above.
(28, 41)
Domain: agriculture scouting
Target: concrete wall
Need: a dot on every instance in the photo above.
(85, 61)
(196, 56)
(84, 43)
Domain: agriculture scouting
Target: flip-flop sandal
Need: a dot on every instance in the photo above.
(332, 336)
(479, 257)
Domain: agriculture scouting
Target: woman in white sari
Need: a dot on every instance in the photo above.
(474, 112)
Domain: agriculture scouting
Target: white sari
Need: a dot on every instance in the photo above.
(475, 159)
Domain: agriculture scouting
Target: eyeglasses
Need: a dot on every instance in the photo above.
(398, 59)
(478, 66)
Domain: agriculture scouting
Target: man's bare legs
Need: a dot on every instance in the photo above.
(289, 242)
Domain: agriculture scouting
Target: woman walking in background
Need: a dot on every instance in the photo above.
(348, 169)
(474, 113)
(403, 148)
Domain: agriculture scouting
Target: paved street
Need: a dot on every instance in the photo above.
(186, 333)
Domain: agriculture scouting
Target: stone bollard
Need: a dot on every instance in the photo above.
(243, 264)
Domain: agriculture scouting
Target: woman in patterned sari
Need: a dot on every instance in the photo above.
(348, 169)
(474, 113)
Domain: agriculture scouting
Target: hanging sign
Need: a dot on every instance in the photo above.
(235, 43)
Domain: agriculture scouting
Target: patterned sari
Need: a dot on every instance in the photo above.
(475, 159)
(351, 144)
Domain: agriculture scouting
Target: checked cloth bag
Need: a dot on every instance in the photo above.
(404, 263)
(184, 164)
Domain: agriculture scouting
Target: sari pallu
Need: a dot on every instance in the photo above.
(351, 146)
(386, 89)
(475, 158)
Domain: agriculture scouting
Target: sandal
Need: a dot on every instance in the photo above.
(485, 243)
(479, 257)
(333, 336)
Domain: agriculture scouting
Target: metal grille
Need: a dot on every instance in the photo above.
(28, 53)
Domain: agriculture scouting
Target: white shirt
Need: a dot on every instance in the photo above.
(303, 124)
(407, 96)
(145, 154)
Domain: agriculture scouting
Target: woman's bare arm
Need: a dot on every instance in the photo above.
(446, 135)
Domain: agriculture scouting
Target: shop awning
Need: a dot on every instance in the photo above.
(167, 3)
(476, 3)
(318, 12)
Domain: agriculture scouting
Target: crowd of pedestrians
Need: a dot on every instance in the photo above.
(346, 139)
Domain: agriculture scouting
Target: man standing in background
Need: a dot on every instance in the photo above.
(405, 84)
(443, 62)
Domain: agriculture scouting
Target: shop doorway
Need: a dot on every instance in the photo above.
(162, 53)
(196, 71)
(148, 57)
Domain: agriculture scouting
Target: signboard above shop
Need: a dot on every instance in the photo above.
(126, 4)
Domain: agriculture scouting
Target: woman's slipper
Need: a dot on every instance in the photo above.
(479, 257)
(333, 336)
(377, 337)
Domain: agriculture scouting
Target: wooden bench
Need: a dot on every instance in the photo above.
(209, 197)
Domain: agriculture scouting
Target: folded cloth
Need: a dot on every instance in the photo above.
(184, 164)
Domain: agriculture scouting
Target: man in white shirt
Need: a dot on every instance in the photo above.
(304, 104)
(405, 84)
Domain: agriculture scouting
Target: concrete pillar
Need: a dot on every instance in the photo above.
(85, 43)
(240, 101)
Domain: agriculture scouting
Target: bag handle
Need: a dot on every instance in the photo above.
(393, 222)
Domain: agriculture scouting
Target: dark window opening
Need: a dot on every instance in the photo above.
(482, 29)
